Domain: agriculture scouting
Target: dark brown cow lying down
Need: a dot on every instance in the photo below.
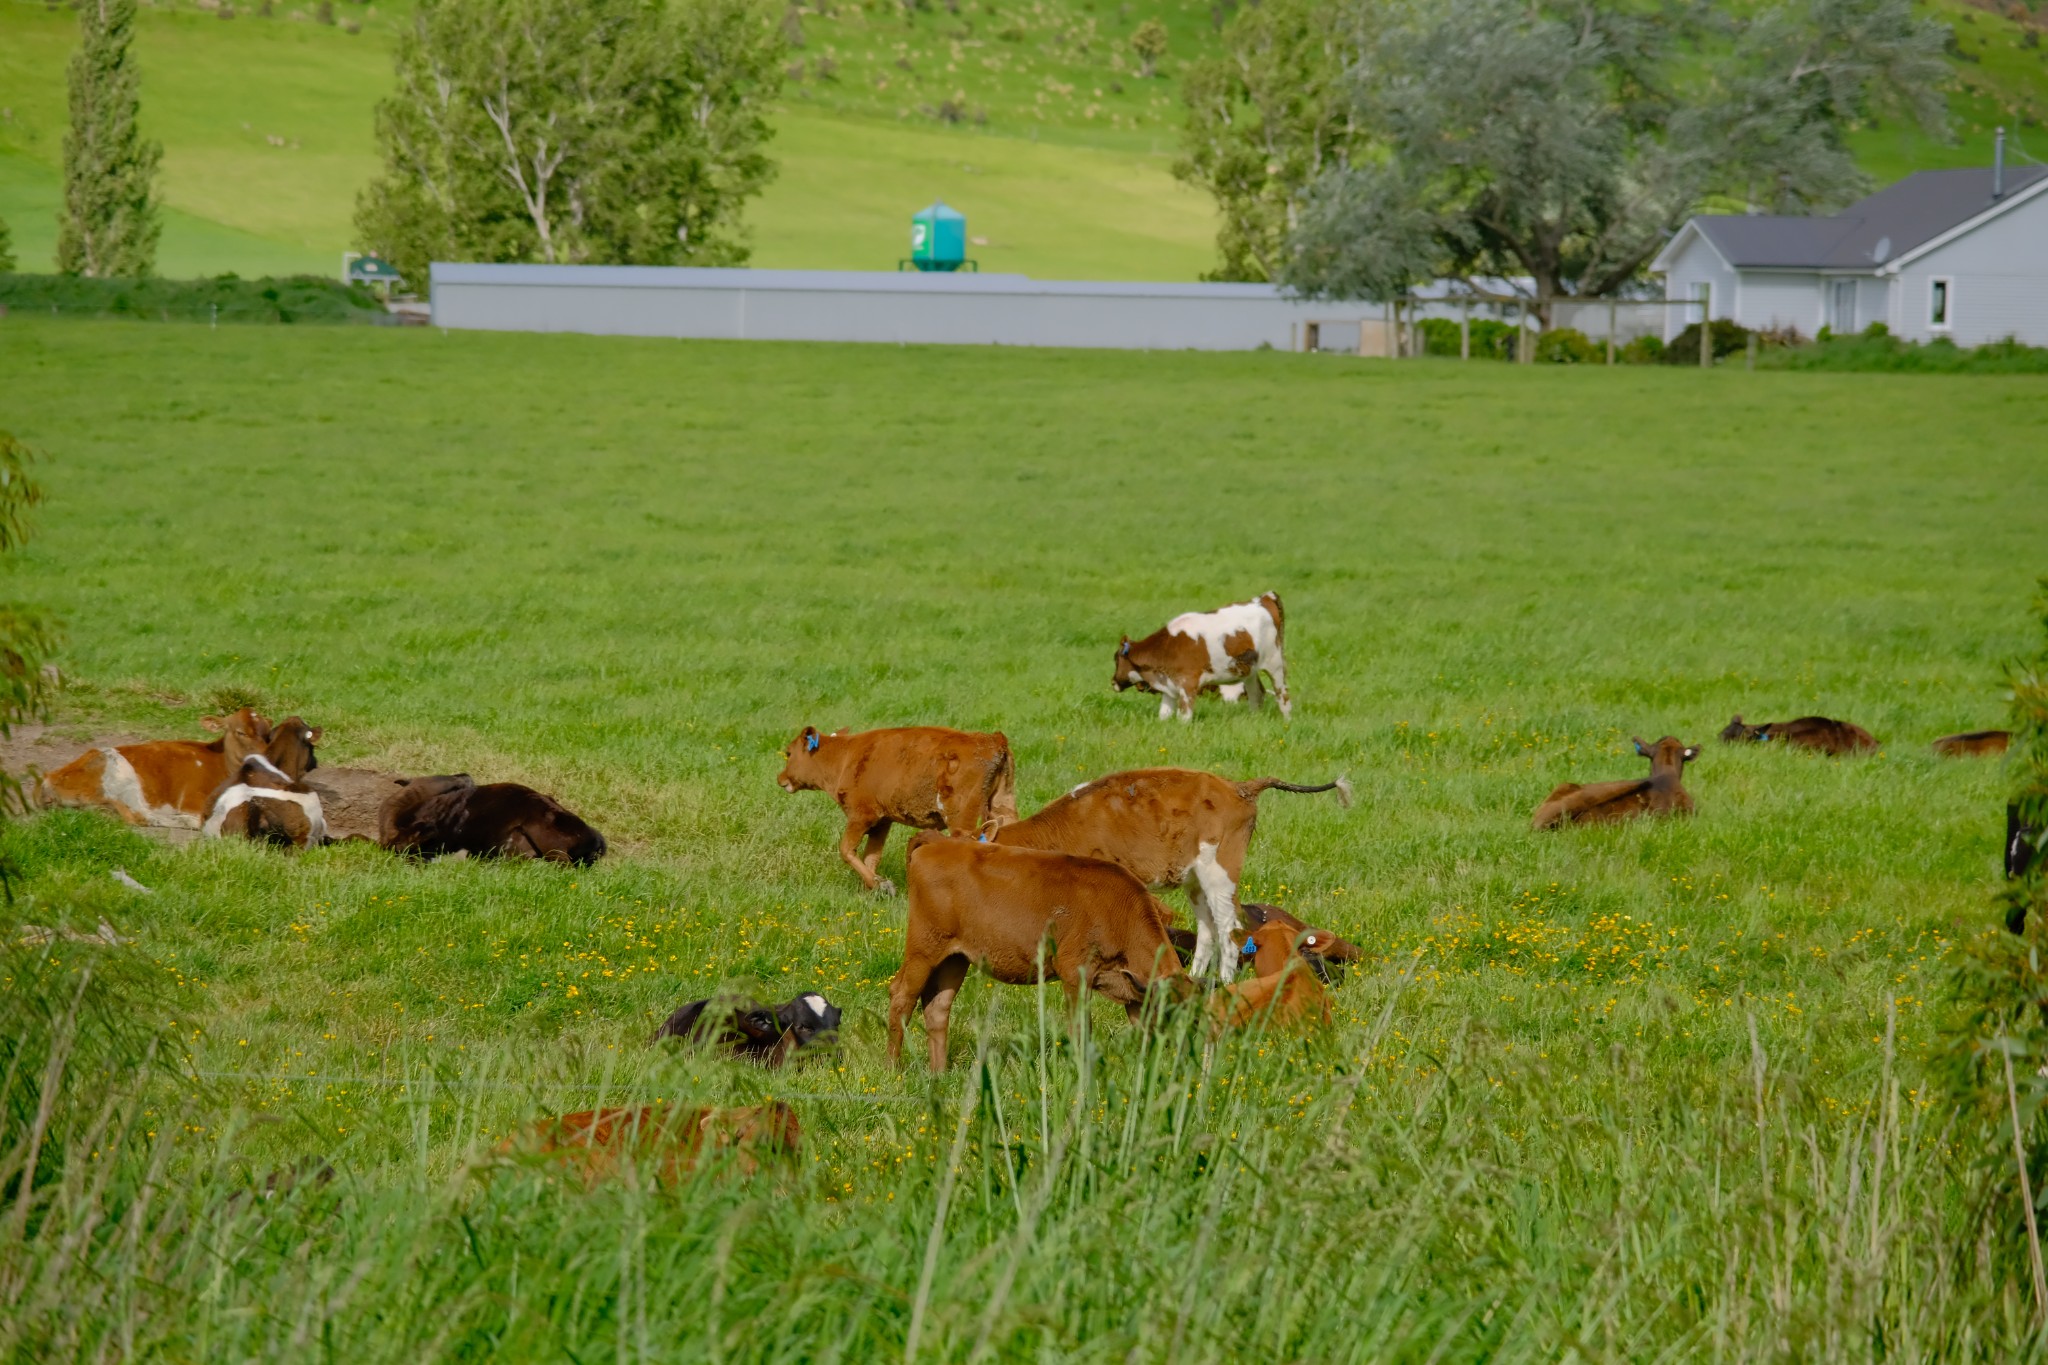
(753, 1032)
(431, 816)
(1661, 793)
(1973, 744)
(1831, 737)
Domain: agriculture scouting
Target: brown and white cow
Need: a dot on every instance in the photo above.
(267, 798)
(1661, 793)
(973, 904)
(1167, 827)
(1973, 744)
(1831, 737)
(1324, 951)
(168, 783)
(1225, 649)
(923, 776)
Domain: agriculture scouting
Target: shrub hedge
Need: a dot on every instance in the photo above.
(294, 299)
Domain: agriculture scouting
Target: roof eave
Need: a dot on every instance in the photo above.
(1971, 224)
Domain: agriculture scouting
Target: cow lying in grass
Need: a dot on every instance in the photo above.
(1661, 793)
(1283, 992)
(168, 783)
(923, 776)
(451, 814)
(1973, 744)
(749, 1031)
(1223, 650)
(1831, 737)
(972, 904)
(267, 798)
(1324, 952)
(1168, 827)
(660, 1140)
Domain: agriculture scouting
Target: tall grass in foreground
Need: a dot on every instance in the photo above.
(1138, 1196)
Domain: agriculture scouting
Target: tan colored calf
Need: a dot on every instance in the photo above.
(1661, 793)
(923, 776)
(167, 783)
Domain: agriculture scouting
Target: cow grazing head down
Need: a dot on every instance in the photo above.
(802, 768)
(1126, 674)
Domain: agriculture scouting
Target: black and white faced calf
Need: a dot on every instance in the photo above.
(750, 1031)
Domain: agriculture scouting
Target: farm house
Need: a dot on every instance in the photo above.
(1961, 254)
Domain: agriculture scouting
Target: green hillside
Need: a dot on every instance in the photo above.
(1029, 115)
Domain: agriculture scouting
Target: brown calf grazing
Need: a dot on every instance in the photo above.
(1223, 651)
(750, 1031)
(1168, 827)
(1284, 994)
(1661, 793)
(166, 783)
(1001, 909)
(923, 776)
(1831, 737)
(431, 816)
(267, 798)
(660, 1141)
(1973, 744)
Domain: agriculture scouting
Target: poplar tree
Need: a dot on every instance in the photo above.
(109, 224)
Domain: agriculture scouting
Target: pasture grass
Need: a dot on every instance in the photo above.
(1657, 1092)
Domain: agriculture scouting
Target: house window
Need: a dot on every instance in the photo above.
(1940, 298)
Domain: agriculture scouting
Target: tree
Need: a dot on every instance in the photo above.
(616, 131)
(109, 224)
(1564, 143)
(26, 639)
(1267, 119)
(6, 248)
(1149, 42)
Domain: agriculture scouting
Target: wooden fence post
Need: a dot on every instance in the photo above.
(1465, 331)
(1610, 329)
(1706, 333)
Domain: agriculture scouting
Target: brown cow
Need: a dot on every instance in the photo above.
(1168, 827)
(1973, 744)
(432, 816)
(1284, 993)
(661, 1141)
(1323, 950)
(1223, 650)
(1661, 793)
(1831, 737)
(977, 904)
(167, 783)
(923, 776)
(267, 799)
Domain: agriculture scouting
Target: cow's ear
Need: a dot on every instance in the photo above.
(1125, 648)
(213, 725)
(1641, 747)
(313, 734)
(810, 738)
(1692, 751)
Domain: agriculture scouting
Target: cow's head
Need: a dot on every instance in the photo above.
(242, 733)
(1127, 673)
(559, 835)
(802, 768)
(1668, 754)
(291, 747)
(1735, 732)
(809, 1018)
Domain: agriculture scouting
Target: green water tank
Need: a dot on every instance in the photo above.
(938, 238)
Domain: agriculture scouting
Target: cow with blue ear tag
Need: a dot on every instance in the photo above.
(926, 777)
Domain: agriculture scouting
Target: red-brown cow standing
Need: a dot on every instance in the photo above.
(168, 783)
(1093, 925)
(1168, 827)
(923, 776)
(1661, 793)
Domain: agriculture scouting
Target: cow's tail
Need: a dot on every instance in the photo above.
(1250, 790)
(1001, 807)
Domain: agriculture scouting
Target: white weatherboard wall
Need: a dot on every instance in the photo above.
(1999, 281)
(1697, 261)
(922, 309)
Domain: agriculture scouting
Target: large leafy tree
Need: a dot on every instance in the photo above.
(1267, 119)
(1562, 142)
(613, 131)
(109, 222)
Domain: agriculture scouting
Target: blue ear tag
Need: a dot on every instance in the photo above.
(810, 744)
(1126, 649)
(1251, 949)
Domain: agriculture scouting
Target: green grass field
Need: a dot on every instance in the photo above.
(1602, 1094)
(1062, 162)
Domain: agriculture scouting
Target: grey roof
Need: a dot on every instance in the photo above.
(1869, 232)
(841, 281)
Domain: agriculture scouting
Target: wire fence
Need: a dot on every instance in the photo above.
(1415, 325)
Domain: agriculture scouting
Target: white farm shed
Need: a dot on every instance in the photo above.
(1961, 254)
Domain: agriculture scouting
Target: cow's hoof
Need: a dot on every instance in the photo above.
(885, 887)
